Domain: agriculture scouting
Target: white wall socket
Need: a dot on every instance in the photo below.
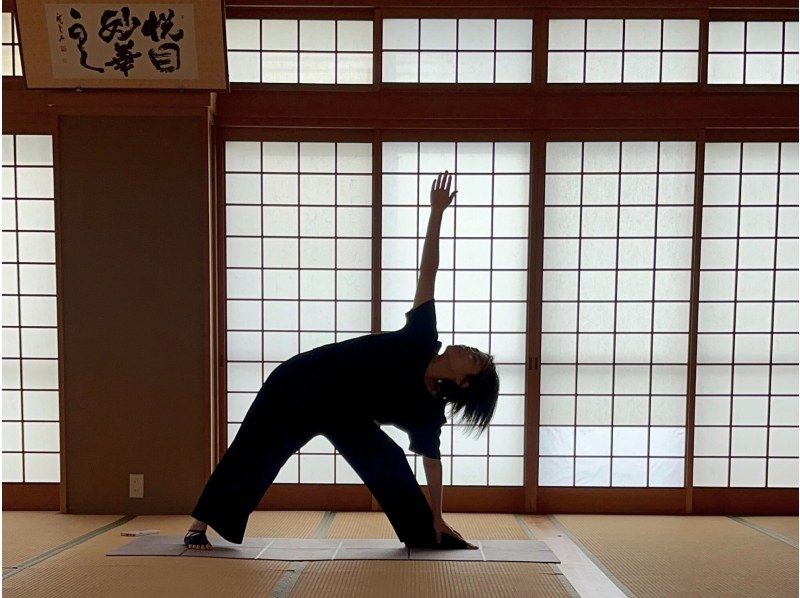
(136, 485)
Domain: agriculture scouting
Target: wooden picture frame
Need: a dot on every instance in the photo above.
(132, 45)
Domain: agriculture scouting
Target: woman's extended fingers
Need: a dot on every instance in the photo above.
(443, 181)
(441, 197)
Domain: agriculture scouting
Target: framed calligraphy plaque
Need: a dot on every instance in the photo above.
(135, 45)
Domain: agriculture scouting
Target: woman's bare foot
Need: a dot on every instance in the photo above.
(196, 537)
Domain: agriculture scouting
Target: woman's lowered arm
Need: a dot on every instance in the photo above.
(440, 199)
(433, 473)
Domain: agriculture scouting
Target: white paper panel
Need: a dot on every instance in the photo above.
(607, 311)
(743, 305)
(490, 308)
(299, 51)
(30, 352)
(457, 50)
(768, 57)
(613, 51)
(281, 281)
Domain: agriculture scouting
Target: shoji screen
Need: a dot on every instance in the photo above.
(12, 62)
(747, 398)
(457, 50)
(752, 52)
(30, 335)
(298, 249)
(623, 51)
(481, 287)
(615, 313)
(299, 51)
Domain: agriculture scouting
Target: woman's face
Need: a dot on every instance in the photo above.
(465, 361)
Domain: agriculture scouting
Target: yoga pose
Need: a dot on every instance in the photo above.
(344, 391)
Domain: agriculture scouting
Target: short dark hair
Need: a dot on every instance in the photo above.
(477, 401)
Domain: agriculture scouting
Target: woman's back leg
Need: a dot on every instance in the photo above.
(270, 432)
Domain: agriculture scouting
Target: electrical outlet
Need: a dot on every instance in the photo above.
(136, 485)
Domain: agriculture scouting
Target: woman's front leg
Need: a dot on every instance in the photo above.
(382, 465)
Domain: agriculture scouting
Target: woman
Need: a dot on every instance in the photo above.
(344, 391)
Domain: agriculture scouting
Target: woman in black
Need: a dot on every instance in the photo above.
(344, 391)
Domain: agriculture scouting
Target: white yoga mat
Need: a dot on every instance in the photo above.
(322, 549)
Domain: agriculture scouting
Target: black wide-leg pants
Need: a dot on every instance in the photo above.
(279, 422)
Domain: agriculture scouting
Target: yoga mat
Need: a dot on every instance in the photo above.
(326, 549)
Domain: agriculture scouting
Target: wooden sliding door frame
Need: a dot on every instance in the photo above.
(43, 495)
(530, 497)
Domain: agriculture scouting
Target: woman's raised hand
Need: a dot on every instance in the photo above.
(440, 191)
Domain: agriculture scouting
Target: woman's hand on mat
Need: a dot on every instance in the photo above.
(441, 526)
(440, 191)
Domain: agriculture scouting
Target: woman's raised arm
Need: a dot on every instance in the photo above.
(440, 199)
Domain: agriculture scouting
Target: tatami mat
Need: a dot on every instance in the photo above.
(663, 556)
(391, 579)
(785, 526)
(84, 570)
(348, 524)
(651, 555)
(146, 579)
(486, 526)
(27, 534)
(283, 524)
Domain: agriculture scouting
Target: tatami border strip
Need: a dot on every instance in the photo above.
(287, 581)
(54, 551)
(289, 578)
(562, 578)
(773, 534)
(324, 524)
(622, 587)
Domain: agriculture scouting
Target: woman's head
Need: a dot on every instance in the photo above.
(474, 386)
